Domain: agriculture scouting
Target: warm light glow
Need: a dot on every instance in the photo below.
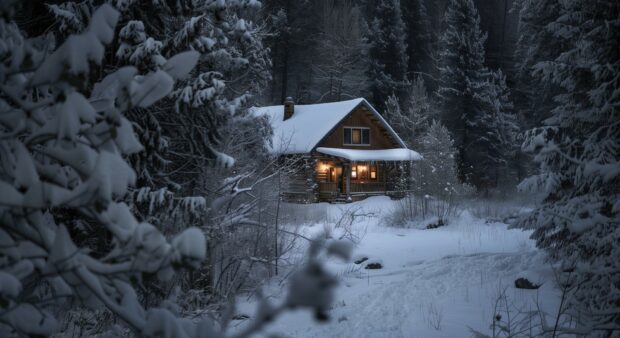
(356, 136)
(373, 175)
(362, 168)
(353, 172)
(324, 167)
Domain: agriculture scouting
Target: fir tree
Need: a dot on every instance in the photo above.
(436, 174)
(578, 149)
(419, 38)
(420, 109)
(392, 112)
(507, 124)
(185, 134)
(339, 67)
(387, 70)
(466, 95)
(413, 119)
(74, 164)
(534, 97)
(64, 170)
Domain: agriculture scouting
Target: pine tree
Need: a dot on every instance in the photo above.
(508, 127)
(413, 119)
(420, 109)
(72, 173)
(436, 175)
(294, 49)
(179, 173)
(419, 38)
(392, 112)
(578, 149)
(64, 169)
(466, 95)
(386, 37)
(209, 110)
(533, 96)
(339, 68)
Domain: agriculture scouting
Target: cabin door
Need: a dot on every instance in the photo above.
(339, 178)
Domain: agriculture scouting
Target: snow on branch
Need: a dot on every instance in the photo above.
(63, 150)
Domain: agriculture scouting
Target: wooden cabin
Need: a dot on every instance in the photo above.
(340, 151)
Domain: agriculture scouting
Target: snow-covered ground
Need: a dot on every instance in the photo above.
(434, 283)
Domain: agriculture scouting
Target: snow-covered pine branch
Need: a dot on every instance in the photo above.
(63, 150)
(577, 149)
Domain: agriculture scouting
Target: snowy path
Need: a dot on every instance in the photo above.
(434, 283)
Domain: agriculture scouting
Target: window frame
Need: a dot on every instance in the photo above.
(350, 143)
(373, 169)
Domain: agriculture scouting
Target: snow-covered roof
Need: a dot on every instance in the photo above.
(310, 123)
(397, 154)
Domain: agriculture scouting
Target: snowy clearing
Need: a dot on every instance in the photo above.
(433, 283)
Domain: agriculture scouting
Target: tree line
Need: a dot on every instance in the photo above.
(395, 53)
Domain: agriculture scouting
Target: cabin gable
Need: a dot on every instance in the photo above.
(360, 117)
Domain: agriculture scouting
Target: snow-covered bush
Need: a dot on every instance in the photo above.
(422, 211)
(63, 169)
(436, 188)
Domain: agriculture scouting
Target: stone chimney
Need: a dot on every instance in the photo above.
(289, 108)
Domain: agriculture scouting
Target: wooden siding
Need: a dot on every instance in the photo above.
(300, 185)
(380, 138)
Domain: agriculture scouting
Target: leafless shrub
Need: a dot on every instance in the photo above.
(433, 316)
(510, 320)
(350, 269)
(412, 208)
(345, 224)
(530, 320)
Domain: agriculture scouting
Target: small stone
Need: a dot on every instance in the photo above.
(435, 225)
(373, 266)
(524, 283)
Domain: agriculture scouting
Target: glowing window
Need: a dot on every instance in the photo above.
(356, 136)
(363, 172)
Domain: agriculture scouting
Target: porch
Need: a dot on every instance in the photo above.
(344, 175)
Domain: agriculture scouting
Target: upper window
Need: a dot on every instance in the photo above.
(358, 136)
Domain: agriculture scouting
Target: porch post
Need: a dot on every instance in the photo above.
(384, 165)
(347, 168)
